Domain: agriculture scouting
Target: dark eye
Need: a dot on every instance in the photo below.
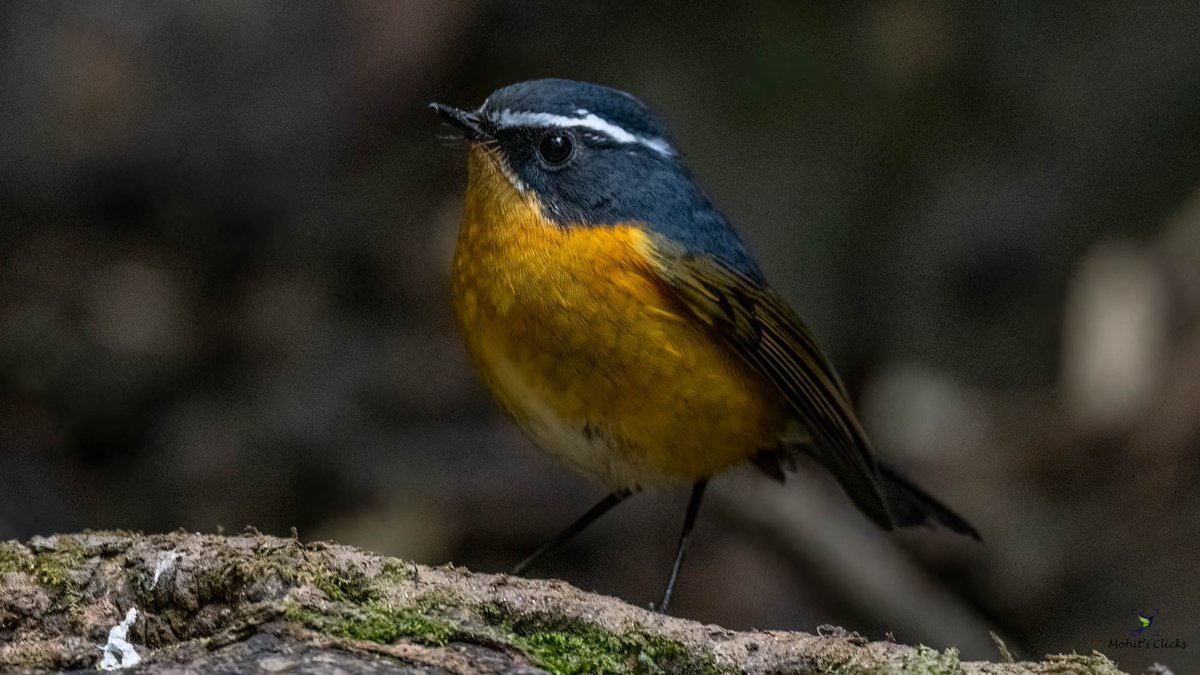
(556, 148)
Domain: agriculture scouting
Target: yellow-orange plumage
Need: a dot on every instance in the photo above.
(577, 338)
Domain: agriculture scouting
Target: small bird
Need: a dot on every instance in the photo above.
(618, 318)
(1145, 622)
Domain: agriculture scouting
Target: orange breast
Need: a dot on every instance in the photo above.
(590, 354)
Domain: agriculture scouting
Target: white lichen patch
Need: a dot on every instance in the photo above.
(166, 563)
(118, 651)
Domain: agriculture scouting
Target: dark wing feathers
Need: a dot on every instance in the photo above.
(764, 331)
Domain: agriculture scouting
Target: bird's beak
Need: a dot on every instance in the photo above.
(471, 124)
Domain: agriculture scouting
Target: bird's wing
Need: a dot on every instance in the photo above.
(764, 331)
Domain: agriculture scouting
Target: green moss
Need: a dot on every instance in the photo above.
(438, 598)
(353, 587)
(929, 661)
(293, 568)
(570, 647)
(396, 571)
(367, 617)
(15, 558)
(591, 650)
(339, 585)
(924, 661)
(829, 666)
(1078, 664)
(56, 570)
(225, 583)
(376, 622)
(380, 624)
(562, 647)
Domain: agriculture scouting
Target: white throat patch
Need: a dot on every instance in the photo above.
(586, 120)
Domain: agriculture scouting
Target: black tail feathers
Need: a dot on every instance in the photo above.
(911, 506)
(907, 504)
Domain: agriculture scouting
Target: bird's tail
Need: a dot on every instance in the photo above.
(907, 504)
(911, 506)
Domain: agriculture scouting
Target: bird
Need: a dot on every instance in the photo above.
(1145, 622)
(618, 318)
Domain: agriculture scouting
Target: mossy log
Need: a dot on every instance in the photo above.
(255, 603)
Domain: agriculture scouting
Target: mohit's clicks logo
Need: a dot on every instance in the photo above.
(1144, 633)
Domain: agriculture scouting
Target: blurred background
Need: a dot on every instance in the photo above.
(225, 236)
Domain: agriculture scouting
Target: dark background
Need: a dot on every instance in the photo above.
(225, 235)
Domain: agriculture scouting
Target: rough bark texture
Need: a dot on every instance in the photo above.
(254, 603)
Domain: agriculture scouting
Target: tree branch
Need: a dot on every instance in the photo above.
(251, 602)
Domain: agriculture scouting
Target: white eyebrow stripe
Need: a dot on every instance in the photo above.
(510, 118)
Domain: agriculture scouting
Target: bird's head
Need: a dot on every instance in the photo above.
(589, 154)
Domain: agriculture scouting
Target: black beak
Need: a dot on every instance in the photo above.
(470, 123)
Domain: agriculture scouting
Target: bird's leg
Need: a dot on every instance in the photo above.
(574, 528)
(685, 538)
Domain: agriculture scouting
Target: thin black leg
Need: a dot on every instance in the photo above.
(574, 528)
(685, 538)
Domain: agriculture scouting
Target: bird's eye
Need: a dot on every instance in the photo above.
(556, 148)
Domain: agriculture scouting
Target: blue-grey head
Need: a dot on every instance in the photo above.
(593, 155)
